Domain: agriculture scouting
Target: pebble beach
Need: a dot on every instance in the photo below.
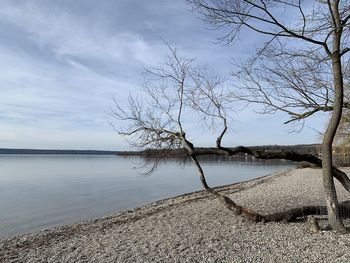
(195, 227)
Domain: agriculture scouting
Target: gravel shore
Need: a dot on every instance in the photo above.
(196, 228)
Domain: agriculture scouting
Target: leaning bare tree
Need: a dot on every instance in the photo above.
(173, 94)
(310, 41)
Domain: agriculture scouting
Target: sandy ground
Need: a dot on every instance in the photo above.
(196, 228)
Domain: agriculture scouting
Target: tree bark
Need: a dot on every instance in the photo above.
(327, 158)
(328, 181)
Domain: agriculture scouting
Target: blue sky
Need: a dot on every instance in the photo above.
(61, 63)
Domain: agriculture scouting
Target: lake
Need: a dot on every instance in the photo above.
(42, 191)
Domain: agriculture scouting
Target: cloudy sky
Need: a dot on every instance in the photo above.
(61, 63)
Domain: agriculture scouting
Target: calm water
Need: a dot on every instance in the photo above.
(42, 191)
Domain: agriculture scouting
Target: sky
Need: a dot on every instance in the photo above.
(62, 62)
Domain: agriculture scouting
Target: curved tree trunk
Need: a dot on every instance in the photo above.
(328, 181)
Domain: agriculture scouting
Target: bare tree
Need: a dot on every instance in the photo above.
(319, 31)
(181, 88)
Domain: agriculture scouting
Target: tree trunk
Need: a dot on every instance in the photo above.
(328, 181)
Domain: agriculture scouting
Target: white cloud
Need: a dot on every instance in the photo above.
(19, 136)
(68, 35)
(61, 69)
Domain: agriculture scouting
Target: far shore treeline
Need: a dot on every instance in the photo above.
(341, 154)
(46, 151)
(300, 148)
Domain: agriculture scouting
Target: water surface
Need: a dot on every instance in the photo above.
(43, 191)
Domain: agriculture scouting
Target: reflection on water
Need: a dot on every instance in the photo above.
(42, 191)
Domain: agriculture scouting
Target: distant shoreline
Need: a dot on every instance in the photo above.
(45, 151)
(302, 148)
